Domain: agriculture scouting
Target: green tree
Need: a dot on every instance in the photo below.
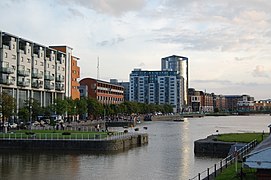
(8, 105)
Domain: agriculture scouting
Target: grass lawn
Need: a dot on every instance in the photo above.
(54, 134)
(241, 137)
(230, 173)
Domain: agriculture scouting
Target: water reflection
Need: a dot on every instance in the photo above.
(169, 154)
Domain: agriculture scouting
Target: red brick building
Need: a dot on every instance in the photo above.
(104, 92)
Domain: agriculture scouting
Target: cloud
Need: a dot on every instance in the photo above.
(75, 12)
(260, 72)
(112, 7)
(248, 58)
(111, 42)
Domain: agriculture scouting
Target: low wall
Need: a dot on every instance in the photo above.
(122, 143)
(211, 147)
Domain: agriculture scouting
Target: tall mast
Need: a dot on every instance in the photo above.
(98, 66)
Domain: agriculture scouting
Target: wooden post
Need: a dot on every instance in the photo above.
(215, 169)
(199, 176)
(208, 173)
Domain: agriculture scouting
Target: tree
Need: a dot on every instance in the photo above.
(81, 107)
(8, 105)
(34, 108)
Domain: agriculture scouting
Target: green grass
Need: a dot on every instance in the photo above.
(241, 137)
(230, 173)
(53, 134)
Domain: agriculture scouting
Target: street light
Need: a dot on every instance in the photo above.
(30, 115)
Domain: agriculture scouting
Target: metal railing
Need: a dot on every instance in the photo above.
(71, 136)
(213, 171)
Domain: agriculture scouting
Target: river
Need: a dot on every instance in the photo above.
(168, 156)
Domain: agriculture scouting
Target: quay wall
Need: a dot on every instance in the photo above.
(122, 143)
(212, 148)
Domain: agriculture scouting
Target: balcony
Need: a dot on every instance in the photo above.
(37, 84)
(60, 87)
(23, 83)
(49, 86)
(7, 81)
(59, 79)
(49, 77)
(22, 72)
(7, 70)
(36, 75)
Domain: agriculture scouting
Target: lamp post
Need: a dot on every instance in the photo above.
(30, 115)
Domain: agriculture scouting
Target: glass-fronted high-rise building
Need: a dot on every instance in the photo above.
(155, 87)
(180, 65)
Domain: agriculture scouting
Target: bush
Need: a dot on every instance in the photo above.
(66, 133)
(29, 133)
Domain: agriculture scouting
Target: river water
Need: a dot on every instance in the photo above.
(168, 156)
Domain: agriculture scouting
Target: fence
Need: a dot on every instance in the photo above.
(213, 171)
(71, 136)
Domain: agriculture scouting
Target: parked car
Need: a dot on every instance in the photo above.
(13, 125)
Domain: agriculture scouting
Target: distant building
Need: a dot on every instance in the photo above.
(156, 87)
(199, 101)
(239, 103)
(126, 86)
(219, 103)
(179, 64)
(263, 105)
(104, 92)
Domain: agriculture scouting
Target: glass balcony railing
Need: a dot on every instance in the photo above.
(7, 70)
(59, 79)
(23, 83)
(7, 81)
(36, 75)
(23, 72)
(48, 86)
(48, 77)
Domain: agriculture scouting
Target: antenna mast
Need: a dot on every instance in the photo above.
(98, 66)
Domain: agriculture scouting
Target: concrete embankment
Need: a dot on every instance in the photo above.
(174, 117)
(113, 144)
(212, 148)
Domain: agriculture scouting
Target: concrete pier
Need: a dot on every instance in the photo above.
(113, 144)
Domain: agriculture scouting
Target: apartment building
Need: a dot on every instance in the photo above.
(179, 64)
(104, 92)
(72, 72)
(30, 70)
(155, 87)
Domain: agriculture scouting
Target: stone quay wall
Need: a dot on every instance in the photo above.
(114, 144)
(212, 148)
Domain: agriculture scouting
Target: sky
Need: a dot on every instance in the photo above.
(228, 42)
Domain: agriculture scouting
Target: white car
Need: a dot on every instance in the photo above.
(13, 125)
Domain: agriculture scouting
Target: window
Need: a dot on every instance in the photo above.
(6, 54)
(58, 68)
(53, 66)
(48, 65)
(22, 59)
(41, 63)
(63, 69)
(41, 54)
(13, 56)
(13, 46)
(36, 62)
(28, 60)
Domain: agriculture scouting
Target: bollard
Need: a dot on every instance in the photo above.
(220, 166)
(226, 162)
(208, 173)
(199, 176)
(215, 169)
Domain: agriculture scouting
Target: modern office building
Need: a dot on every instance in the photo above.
(126, 86)
(30, 70)
(179, 64)
(104, 92)
(155, 87)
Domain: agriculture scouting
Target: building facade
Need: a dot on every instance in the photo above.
(29, 70)
(155, 87)
(179, 64)
(104, 92)
(72, 72)
(126, 86)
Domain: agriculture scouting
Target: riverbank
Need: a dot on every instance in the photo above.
(220, 145)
